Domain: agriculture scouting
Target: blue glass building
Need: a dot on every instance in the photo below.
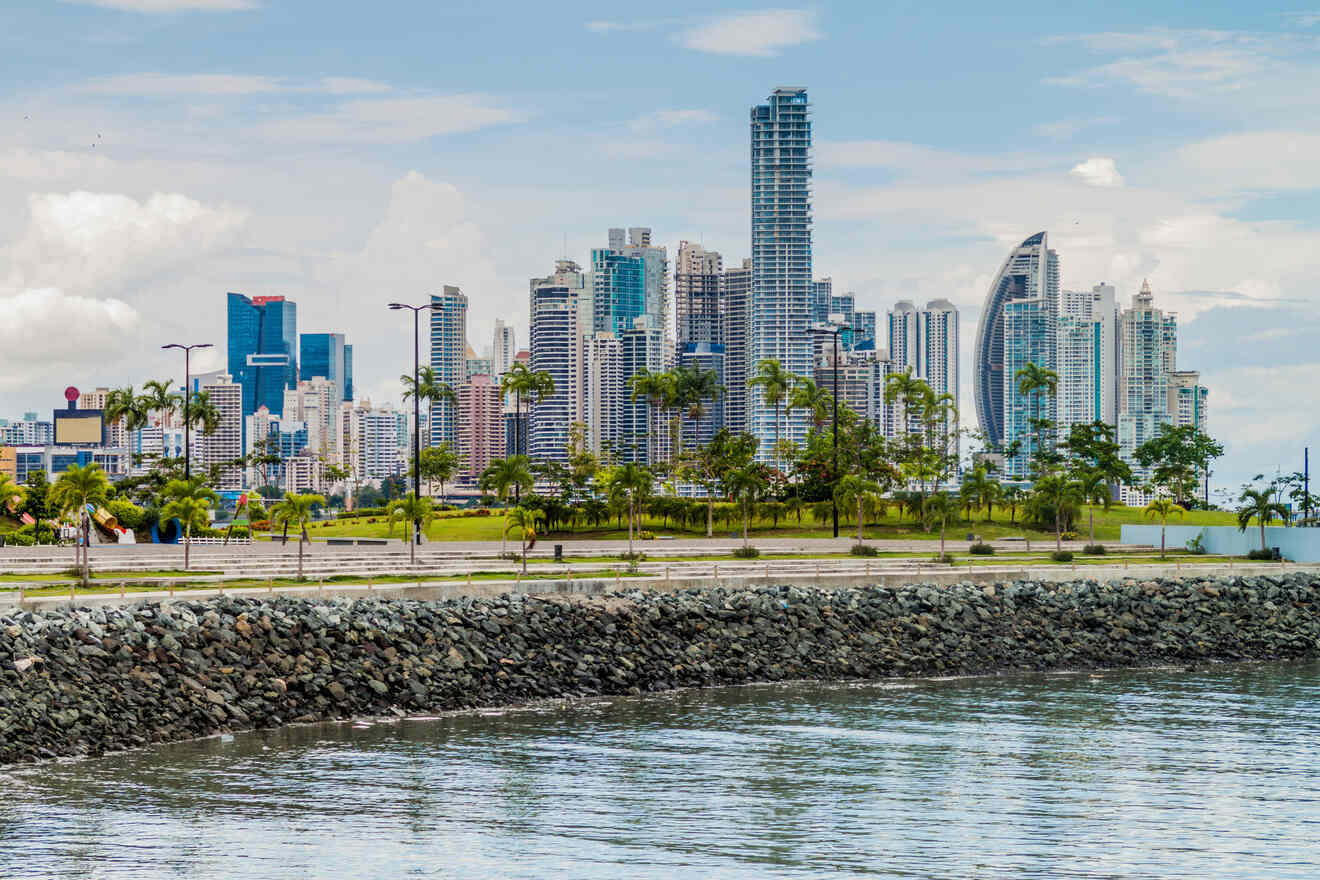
(618, 291)
(326, 355)
(263, 354)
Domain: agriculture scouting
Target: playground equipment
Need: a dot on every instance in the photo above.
(168, 532)
(108, 528)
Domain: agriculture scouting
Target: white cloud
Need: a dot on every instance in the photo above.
(1098, 171)
(170, 85)
(663, 119)
(351, 85)
(392, 120)
(1256, 160)
(609, 27)
(171, 5)
(757, 34)
(83, 241)
(1063, 129)
(48, 330)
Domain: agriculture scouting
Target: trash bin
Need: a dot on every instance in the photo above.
(1277, 555)
(559, 553)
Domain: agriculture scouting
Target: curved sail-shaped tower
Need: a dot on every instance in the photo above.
(1031, 271)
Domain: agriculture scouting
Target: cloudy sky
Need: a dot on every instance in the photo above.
(157, 153)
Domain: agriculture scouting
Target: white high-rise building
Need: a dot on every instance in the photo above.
(1148, 340)
(503, 350)
(316, 402)
(556, 349)
(606, 392)
(225, 445)
(449, 350)
(926, 341)
(782, 293)
(1087, 357)
(736, 293)
(1188, 400)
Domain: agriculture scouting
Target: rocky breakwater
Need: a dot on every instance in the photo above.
(84, 681)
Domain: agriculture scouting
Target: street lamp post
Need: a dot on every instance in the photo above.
(834, 328)
(417, 411)
(187, 399)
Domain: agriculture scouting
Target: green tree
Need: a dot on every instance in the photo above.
(629, 485)
(438, 465)
(855, 489)
(812, 399)
(693, 386)
(939, 507)
(74, 490)
(203, 414)
(1162, 509)
(1094, 447)
(746, 483)
(189, 501)
(1012, 497)
(529, 386)
(775, 383)
(411, 509)
(660, 392)
(1175, 455)
(429, 388)
(1094, 484)
(1262, 505)
(296, 511)
(123, 406)
(158, 397)
(11, 495)
(1032, 381)
(1058, 493)
(505, 476)
(525, 520)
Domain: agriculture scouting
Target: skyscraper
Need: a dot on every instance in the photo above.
(481, 432)
(1029, 274)
(736, 292)
(326, 355)
(448, 358)
(1148, 339)
(781, 301)
(927, 342)
(1188, 400)
(262, 349)
(503, 349)
(699, 307)
(618, 290)
(1086, 357)
(556, 349)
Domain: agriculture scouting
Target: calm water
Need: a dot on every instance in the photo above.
(1155, 774)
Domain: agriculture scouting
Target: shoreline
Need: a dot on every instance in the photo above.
(190, 670)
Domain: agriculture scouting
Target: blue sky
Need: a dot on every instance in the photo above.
(157, 153)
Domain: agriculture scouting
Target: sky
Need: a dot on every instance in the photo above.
(155, 154)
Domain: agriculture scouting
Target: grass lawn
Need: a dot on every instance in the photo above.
(109, 574)
(489, 528)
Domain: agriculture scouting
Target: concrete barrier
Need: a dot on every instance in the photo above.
(1296, 544)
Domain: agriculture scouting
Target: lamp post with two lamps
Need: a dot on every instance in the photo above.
(187, 398)
(834, 327)
(417, 409)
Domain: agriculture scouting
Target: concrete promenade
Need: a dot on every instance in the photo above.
(724, 574)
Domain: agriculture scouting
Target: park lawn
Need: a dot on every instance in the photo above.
(106, 574)
(489, 528)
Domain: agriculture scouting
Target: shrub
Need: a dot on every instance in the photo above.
(947, 558)
(981, 549)
(1195, 546)
(15, 539)
(646, 536)
(371, 519)
(510, 555)
(1062, 556)
(1261, 555)
(1095, 550)
(261, 525)
(746, 553)
(483, 511)
(633, 557)
(1069, 536)
(863, 550)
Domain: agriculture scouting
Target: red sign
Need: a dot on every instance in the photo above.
(71, 394)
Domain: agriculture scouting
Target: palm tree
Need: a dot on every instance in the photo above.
(11, 494)
(124, 407)
(77, 488)
(525, 520)
(409, 509)
(1012, 497)
(991, 494)
(660, 391)
(630, 485)
(296, 510)
(746, 484)
(909, 389)
(505, 475)
(693, 386)
(1060, 493)
(157, 397)
(430, 388)
(1163, 508)
(1032, 380)
(1261, 504)
(939, 506)
(775, 382)
(807, 395)
(1095, 490)
(189, 501)
(203, 414)
(856, 488)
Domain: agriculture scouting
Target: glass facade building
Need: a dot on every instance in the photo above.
(326, 355)
(783, 298)
(448, 359)
(262, 349)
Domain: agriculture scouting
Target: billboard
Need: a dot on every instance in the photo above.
(79, 427)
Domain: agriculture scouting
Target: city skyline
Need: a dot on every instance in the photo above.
(917, 193)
